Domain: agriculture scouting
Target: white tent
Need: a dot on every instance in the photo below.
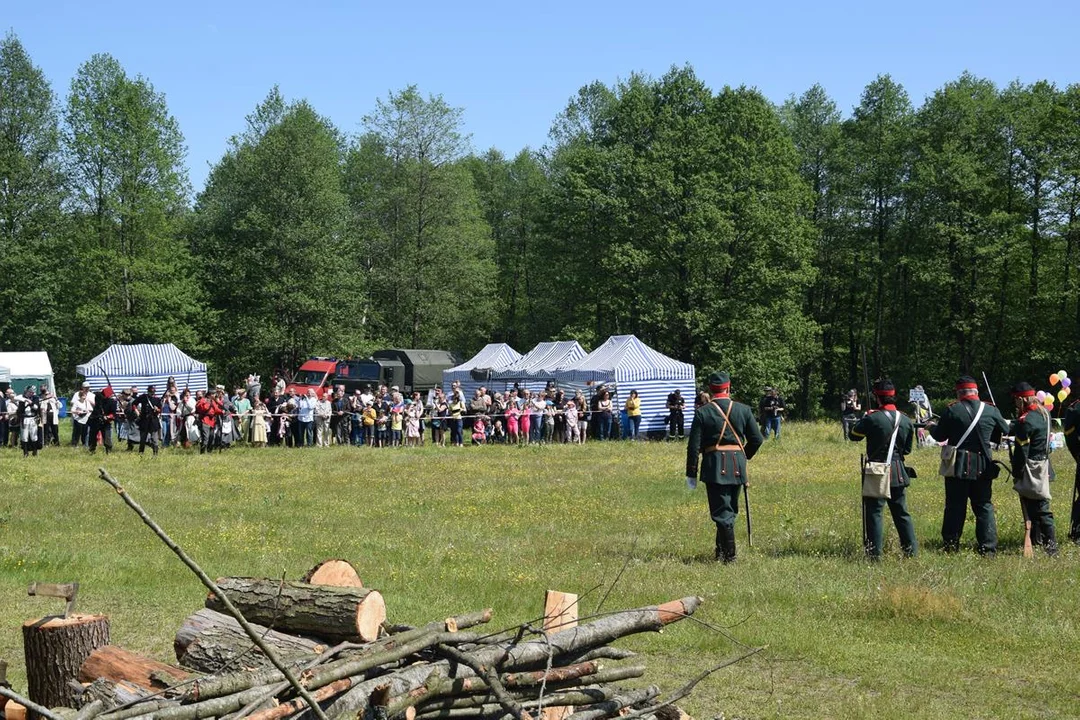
(28, 368)
(629, 364)
(478, 369)
(5, 374)
(536, 368)
(143, 365)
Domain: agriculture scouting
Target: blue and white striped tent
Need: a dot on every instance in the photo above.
(143, 365)
(478, 369)
(537, 367)
(629, 364)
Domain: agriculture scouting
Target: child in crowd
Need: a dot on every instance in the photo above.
(479, 436)
(412, 424)
(572, 433)
(381, 423)
(498, 434)
(368, 417)
(396, 424)
(258, 424)
(513, 412)
(549, 421)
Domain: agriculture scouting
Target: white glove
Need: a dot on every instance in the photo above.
(691, 482)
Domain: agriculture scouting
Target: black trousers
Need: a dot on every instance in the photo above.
(957, 495)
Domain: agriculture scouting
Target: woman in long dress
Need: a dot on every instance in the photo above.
(258, 424)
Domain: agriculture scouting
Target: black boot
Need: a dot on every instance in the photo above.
(725, 544)
(1049, 542)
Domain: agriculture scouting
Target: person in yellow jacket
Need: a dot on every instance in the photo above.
(633, 413)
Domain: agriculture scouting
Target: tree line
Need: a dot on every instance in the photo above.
(774, 241)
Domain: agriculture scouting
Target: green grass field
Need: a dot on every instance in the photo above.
(443, 531)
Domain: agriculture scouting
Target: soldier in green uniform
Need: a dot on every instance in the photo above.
(1031, 432)
(878, 427)
(1072, 441)
(969, 426)
(726, 433)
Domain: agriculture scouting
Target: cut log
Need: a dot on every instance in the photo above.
(112, 693)
(560, 613)
(209, 641)
(14, 711)
(120, 665)
(327, 612)
(55, 648)
(335, 573)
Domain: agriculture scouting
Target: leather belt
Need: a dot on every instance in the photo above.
(715, 448)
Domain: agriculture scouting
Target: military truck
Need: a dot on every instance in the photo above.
(408, 370)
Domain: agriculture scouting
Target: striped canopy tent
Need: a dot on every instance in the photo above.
(143, 365)
(629, 364)
(478, 369)
(5, 374)
(536, 368)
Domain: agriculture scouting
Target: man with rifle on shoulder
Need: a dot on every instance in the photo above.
(968, 425)
(889, 436)
(726, 433)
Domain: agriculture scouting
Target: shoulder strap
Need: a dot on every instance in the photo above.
(1046, 416)
(974, 422)
(727, 422)
(892, 442)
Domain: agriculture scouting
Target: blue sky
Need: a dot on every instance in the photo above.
(513, 66)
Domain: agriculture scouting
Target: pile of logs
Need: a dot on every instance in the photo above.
(332, 634)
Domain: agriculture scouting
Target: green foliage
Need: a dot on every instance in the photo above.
(32, 252)
(129, 279)
(270, 240)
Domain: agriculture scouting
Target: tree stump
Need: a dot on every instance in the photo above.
(55, 648)
(336, 573)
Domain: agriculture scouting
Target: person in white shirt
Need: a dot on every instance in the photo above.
(323, 409)
(82, 403)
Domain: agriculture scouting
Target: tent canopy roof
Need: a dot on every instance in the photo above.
(542, 361)
(493, 355)
(150, 360)
(27, 364)
(625, 358)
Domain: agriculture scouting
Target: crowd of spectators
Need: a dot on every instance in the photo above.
(374, 417)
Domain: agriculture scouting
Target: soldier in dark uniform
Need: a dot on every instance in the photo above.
(148, 412)
(877, 427)
(676, 405)
(973, 472)
(727, 435)
(101, 419)
(1031, 433)
(1072, 441)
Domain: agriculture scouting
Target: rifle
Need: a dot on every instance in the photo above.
(746, 501)
(862, 459)
(991, 392)
(1028, 550)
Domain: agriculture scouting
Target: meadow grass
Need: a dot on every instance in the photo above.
(444, 531)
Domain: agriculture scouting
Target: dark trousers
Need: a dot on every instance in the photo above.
(1074, 520)
(151, 438)
(957, 495)
(723, 503)
(455, 431)
(106, 436)
(603, 430)
(1042, 523)
(875, 527)
(78, 432)
(675, 424)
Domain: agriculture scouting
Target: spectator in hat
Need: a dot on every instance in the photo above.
(1031, 433)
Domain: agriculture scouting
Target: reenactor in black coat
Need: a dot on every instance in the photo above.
(101, 419)
(726, 434)
(969, 426)
(148, 412)
(1031, 441)
(29, 415)
(878, 428)
(1072, 441)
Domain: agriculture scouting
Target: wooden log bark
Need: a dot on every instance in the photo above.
(117, 664)
(326, 612)
(209, 641)
(560, 613)
(113, 694)
(14, 711)
(55, 648)
(335, 573)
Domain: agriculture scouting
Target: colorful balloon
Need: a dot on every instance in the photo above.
(1066, 382)
(1062, 374)
(1053, 378)
(1062, 394)
(1041, 395)
(1048, 401)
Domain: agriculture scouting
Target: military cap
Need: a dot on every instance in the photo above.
(719, 379)
(966, 382)
(884, 388)
(1023, 389)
